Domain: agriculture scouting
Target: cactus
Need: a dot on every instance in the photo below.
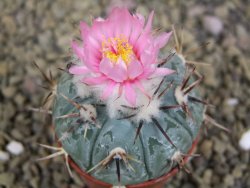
(126, 125)
(145, 149)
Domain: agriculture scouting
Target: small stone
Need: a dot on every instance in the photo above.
(215, 179)
(9, 112)
(187, 185)
(16, 134)
(6, 180)
(243, 37)
(9, 92)
(232, 150)
(245, 157)
(3, 69)
(15, 80)
(229, 180)
(222, 11)
(9, 24)
(30, 5)
(196, 10)
(142, 10)
(219, 146)
(130, 4)
(206, 148)
(34, 182)
(237, 172)
(80, 5)
(4, 156)
(58, 11)
(30, 85)
(245, 141)
(210, 78)
(15, 148)
(232, 101)
(213, 25)
(19, 99)
(45, 40)
(207, 176)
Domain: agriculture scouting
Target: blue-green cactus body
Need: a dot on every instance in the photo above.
(152, 151)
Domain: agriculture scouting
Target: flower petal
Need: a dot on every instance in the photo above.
(93, 41)
(162, 39)
(148, 57)
(108, 90)
(145, 37)
(92, 62)
(137, 28)
(142, 89)
(134, 69)
(121, 18)
(140, 18)
(161, 72)
(94, 80)
(115, 71)
(149, 70)
(148, 26)
(143, 41)
(77, 50)
(78, 70)
(130, 93)
(84, 30)
(102, 29)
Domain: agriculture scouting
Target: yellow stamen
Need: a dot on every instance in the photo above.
(117, 47)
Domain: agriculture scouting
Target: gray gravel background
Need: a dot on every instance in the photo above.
(41, 30)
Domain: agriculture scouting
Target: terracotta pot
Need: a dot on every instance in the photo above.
(155, 183)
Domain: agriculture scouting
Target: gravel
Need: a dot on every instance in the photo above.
(244, 142)
(15, 148)
(4, 156)
(41, 31)
(213, 25)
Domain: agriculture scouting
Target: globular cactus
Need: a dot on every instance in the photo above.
(121, 113)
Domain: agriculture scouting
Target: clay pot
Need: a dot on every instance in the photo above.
(155, 183)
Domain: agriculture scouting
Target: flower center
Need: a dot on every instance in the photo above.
(117, 47)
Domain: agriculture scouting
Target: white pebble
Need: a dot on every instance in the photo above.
(15, 148)
(232, 101)
(4, 156)
(213, 25)
(245, 141)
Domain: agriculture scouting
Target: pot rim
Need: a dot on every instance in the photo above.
(161, 179)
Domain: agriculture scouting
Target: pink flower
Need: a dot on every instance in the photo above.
(119, 52)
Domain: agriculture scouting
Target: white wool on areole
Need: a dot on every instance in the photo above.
(180, 96)
(114, 105)
(145, 107)
(82, 90)
(149, 110)
(87, 112)
(150, 107)
(183, 60)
